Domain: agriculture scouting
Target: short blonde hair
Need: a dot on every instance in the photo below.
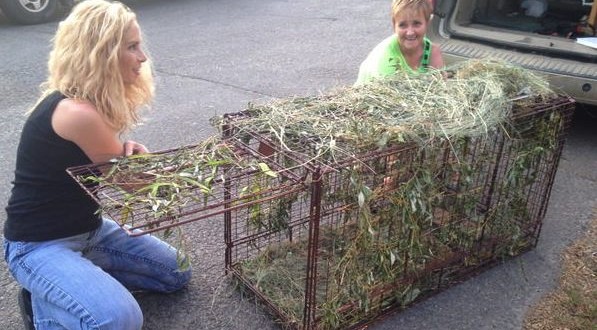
(423, 6)
(84, 63)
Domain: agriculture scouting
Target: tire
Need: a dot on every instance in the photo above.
(30, 11)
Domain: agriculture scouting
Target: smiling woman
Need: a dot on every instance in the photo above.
(408, 49)
(33, 11)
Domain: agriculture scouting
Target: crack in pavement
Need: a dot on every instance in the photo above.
(214, 82)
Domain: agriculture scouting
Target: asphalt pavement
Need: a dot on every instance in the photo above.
(215, 56)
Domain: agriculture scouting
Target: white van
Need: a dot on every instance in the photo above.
(555, 38)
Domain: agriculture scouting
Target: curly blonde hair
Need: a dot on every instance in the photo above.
(417, 6)
(84, 63)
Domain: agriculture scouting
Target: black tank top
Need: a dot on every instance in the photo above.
(46, 203)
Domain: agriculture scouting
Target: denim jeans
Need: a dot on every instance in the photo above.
(83, 281)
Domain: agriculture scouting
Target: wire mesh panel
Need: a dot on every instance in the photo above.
(158, 191)
(377, 230)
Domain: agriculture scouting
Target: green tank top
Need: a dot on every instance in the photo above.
(386, 58)
(424, 60)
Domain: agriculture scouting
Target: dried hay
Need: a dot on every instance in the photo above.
(477, 99)
(573, 304)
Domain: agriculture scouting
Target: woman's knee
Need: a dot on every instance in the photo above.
(119, 315)
(129, 319)
(114, 313)
(180, 278)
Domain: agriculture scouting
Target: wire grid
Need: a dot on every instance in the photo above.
(166, 189)
(483, 199)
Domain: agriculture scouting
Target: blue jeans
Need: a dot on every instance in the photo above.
(83, 281)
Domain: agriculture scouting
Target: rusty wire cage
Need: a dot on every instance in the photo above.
(336, 242)
(367, 233)
(159, 191)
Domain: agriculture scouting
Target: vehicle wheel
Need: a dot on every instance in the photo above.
(29, 11)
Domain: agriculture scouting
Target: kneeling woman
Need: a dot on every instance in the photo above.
(75, 266)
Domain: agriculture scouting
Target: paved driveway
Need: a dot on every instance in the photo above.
(213, 57)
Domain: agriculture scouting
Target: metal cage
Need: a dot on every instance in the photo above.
(166, 189)
(337, 241)
(377, 230)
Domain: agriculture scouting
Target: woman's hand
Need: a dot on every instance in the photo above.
(133, 148)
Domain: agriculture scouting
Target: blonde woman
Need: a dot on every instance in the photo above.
(408, 49)
(76, 268)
